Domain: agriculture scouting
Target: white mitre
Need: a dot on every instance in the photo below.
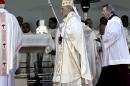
(70, 3)
(67, 2)
(42, 28)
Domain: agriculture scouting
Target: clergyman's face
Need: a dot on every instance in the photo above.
(65, 11)
(52, 25)
(25, 28)
(105, 12)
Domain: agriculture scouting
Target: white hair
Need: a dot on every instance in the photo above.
(109, 8)
(70, 7)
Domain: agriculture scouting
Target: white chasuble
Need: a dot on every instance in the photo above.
(10, 42)
(72, 61)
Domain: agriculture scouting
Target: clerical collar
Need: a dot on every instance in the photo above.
(111, 16)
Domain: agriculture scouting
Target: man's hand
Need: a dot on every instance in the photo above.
(53, 52)
(98, 39)
(60, 40)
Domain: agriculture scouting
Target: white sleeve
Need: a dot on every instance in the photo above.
(18, 41)
(73, 30)
(112, 35)
(18, 36)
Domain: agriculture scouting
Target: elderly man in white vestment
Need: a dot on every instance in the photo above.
(116, 56)
(10, 41)
(71, 65)
(93, 56)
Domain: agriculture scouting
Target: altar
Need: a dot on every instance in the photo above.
(35, 42)
(32, 44)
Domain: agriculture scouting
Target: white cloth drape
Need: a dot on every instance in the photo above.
(93, 56)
